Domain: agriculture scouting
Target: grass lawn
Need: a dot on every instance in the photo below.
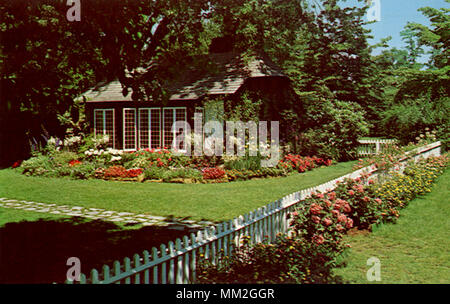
(215, 202)
(413, 251)
(8, 215)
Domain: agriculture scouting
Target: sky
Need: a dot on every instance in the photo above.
(395, 14)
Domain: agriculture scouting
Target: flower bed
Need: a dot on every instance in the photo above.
(318, 225)
(94, 160)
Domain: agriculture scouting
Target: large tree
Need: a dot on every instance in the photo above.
(421, 99)
(46, 60)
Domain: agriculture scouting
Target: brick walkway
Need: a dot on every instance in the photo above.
(102, 214)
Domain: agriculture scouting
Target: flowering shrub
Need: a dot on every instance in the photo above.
(134, 172)
(121, 172)
(287, 260)
(213, 173)
(365, 207)
(416, 179)
(115, 171)
(301, 164)
(388, 159)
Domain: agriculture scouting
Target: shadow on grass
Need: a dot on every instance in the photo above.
(37, 251)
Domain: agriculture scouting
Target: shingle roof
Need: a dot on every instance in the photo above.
(231, 72)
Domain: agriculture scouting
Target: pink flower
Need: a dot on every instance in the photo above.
(339, 227)
(366, 199)
(318, 239)
(315, 219)
(347, 208)
(319, 195)
(332, 195)
(371, 181)
(378, 200)
(295, 213)
(315, 209)
(327, 221)
(359, 188)
(351, 192)
(335, 213)
(349, 223)
(342, 218)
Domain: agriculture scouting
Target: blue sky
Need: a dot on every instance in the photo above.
(395, 14)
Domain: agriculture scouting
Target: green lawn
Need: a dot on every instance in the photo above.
(8, 215)
(413, 251)
(215, 202)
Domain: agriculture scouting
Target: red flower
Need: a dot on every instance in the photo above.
(74, 162)
(17, 164)
(351, 192)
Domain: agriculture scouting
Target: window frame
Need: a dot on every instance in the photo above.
(149, 126)
(103, 111)
(173, 109)
(135, 130)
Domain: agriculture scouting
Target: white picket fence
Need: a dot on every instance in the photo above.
(176, 262)
(373, 146)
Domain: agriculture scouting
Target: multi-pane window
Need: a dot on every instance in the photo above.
(104, 124)
(149, 128)
(171, 115)
(129, 129)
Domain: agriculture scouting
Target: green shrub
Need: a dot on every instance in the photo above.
(64, 157)
(252, 163)
(154, 172)
(37, 165)
(168, 175)
(84, 170)
(332, 130)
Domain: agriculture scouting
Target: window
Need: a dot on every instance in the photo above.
(104, 124)
(171, 115)
(129, 129)
(149, 128)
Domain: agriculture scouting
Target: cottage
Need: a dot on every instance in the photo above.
(133, 125)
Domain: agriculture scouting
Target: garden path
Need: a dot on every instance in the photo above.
(105, 215)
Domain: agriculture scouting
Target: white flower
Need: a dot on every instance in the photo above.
(114, 158)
